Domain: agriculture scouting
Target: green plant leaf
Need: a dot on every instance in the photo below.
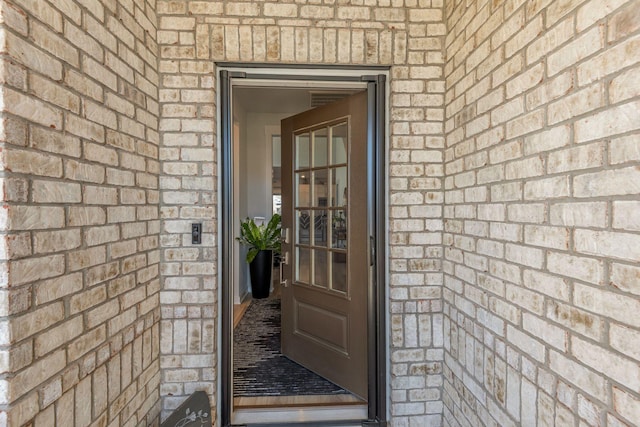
(260, 237)
(253, 252)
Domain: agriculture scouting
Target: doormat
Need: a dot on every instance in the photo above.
(259, 369)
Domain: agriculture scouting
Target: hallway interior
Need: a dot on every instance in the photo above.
(293, 389)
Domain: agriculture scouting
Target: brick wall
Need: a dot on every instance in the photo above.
(542, 238)
(79, 295)
(193, 34)
(536, 183)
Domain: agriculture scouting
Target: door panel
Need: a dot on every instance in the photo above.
(326, 326)
(324, 203)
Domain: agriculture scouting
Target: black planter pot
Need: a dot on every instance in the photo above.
(260, 273)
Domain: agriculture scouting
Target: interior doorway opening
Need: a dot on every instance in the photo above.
(252, 178)
(257, 112)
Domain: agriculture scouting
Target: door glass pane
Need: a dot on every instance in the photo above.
(339, 271)
(320, 228)
(303, 227)
(320, 147)
(303, 265)
(339, 144)
(302, 189)
(339, 230)
(339, 185)
(320, 268)
(302, 151)
(320, 192)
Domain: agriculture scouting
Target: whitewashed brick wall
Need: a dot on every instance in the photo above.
(513, 169)
(79, 290)
(404, 35)
(542, 237)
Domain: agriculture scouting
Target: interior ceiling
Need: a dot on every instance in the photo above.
(271, 100)
(283, 100)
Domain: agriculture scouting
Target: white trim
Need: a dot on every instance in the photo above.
(301, 414)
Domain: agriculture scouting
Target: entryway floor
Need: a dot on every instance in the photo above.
(277, 392)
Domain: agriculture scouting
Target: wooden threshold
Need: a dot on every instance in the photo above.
(296, 401)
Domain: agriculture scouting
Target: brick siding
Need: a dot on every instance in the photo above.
(79, 297)
(513, 171)
(541, 162)
(194, 34)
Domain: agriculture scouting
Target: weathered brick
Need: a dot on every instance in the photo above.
(579, 48)
(84, 128)
(54, 142)
(32, 57)
(602, 301)
(56, 192)
(39, 372)
(84, 85)
(35, 217)
(587, 380)
(625, 277)
(33, 163)
(54, 289)
(615, 245)
(100, 195)
(100, 235)
(48, 90)
(592, 214)
(546, 188)
(581, 102)
(83, 258)
(58, 336)
(550, 237)
(610, 364)
(32, 269)
(610, 122)
(627, 404)
(55, 241)
(608, 62)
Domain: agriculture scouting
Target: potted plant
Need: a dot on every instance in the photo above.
(263, 241)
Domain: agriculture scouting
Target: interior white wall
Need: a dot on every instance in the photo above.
(254, 190)
(258, 154)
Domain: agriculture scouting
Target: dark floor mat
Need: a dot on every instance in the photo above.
(259, 367)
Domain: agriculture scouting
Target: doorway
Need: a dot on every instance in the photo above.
(275, 91)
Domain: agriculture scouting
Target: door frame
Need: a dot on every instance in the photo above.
(375, 81)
